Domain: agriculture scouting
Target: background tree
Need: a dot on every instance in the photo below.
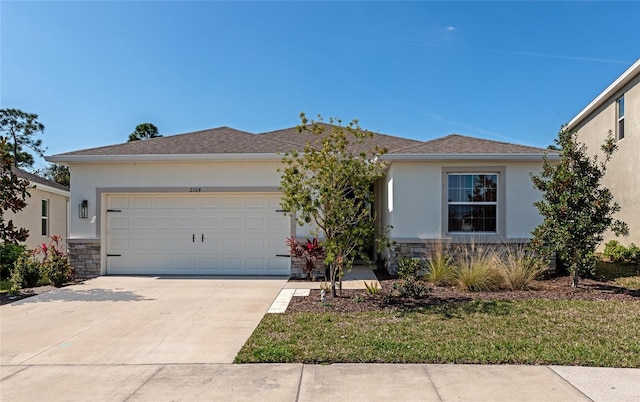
(330, 185)
(144, 131)
(12, 198)
(19, 129)
(576, 208)
(58, 173)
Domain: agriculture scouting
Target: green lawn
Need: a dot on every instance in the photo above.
(496, 332)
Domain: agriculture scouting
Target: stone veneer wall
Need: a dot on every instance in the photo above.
(425, 248)
(84, 256)
(297, 265)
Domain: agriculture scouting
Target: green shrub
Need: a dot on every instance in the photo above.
(616, 252)
(410, 287)
(373, 288)
(9, 254)
(26, 272)
(410, 268)
(519, 269)
(56, 263)
(476, 269)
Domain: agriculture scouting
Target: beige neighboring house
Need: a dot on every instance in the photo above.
(617, 109)
(47, 210)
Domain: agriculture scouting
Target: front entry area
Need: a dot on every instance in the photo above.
(223, 233)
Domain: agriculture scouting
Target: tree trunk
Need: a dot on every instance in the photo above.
(333, 279)
(574, 282)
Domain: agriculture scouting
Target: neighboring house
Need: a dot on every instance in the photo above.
(617, 109)
(47, 210)
(209, 203)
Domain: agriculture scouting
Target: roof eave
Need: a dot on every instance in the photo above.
(482, 157)
(615, 86)
(50, 189)
(162, 158)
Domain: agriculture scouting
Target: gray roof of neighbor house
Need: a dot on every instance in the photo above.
(227, 143)
(37, 179)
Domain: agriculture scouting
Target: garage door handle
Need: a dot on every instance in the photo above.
(203, 238)
(283, 255)
(193, 238)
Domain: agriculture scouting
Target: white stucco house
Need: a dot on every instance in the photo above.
(208, 202)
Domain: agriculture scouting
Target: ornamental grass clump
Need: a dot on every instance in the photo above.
(476, 269)
(439, 268)
(520, 269)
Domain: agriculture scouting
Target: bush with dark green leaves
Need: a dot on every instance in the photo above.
(26, 272)
(9, 254)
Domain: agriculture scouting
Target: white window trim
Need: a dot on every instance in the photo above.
(501, 231)
(45, 217)
(619, 119)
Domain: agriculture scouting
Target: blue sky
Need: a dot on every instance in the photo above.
(507, 71)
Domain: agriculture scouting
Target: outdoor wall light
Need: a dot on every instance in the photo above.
(83, 209)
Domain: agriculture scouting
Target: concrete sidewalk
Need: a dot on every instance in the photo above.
(298, 382)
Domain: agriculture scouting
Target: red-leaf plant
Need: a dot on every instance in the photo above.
(309, 252)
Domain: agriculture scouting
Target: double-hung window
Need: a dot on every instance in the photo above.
(620, 104)
(472, 203)
(45, 217)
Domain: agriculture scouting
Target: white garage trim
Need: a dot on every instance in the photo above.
(199, 232)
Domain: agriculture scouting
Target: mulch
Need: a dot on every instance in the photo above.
(556, 288)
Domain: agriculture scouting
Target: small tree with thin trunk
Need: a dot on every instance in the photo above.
(330, 186)
(577, 210)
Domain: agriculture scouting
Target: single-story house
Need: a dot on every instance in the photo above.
(47, 210)
(208, 202)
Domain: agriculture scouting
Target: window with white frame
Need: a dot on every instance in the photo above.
(45, 217)
(472, 203)
(620, 103)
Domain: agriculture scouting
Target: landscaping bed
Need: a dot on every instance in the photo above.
(556, 288)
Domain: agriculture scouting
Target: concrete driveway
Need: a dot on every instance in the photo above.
(136, 320)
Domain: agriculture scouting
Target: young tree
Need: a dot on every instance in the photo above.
(144, 131)
(12, 198)
(329, 185)
(19, 128)
(576, 208)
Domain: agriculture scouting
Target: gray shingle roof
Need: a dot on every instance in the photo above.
(221, 140)
(37, 179)
(226, 140)
(292, 136)
(460, 144)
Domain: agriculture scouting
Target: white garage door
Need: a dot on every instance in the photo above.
(196, 234)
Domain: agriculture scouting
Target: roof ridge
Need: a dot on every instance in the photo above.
(455, 135)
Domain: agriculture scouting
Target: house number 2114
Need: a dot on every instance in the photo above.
(195, 189)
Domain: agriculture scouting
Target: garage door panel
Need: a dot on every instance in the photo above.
(141, 202)
(213, 233)
(232, 223)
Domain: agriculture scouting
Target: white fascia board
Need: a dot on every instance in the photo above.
(162, 158)
(49, 189)
(615, 86)
(457, 157)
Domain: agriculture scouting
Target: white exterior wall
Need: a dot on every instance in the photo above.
(417, 203)
(88, 178)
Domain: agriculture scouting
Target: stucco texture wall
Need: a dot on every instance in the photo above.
(622, 176)
(31, 216)
(413, 203)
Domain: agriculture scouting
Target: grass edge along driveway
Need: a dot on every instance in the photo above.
(564, 332)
